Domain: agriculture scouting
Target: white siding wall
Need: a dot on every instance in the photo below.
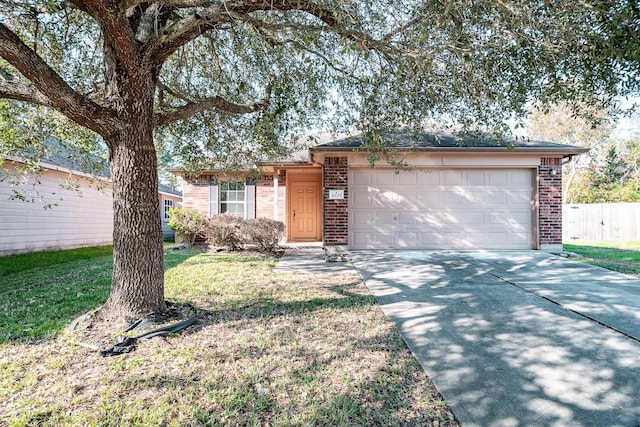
(79, 219)
(167, 232)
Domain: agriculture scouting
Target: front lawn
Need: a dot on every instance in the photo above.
(617, 255)
(41, 292)
(270, 348)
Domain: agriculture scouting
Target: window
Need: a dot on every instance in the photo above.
(232, 198)
(168, 204)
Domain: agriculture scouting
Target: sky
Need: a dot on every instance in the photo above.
(628, 127)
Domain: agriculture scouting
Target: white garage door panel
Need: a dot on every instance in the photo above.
(441, 209)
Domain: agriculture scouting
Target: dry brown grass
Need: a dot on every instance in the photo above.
(269, 348)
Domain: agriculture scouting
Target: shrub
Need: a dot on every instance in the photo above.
(265, 233)
(188, 223)
(225, 230)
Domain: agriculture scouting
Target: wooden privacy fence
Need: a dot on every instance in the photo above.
(601, 221)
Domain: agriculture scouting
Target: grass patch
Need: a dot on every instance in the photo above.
(621, 256)
(32, 261)
(269, 348)
(43, 291)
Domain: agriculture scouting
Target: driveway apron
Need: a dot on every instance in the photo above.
(516, 338)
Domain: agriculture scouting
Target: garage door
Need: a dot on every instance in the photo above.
(441, 209)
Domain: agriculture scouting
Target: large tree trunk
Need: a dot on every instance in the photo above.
(138, 274)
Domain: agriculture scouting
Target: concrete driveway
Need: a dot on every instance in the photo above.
(516, 338)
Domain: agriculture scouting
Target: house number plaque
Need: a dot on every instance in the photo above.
(336, 194)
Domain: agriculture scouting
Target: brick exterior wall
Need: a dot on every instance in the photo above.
(196, 195)
(336, 214)
(550, 201)
(265, 197)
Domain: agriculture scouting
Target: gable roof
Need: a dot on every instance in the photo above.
(74, 158)
(442, 142)
(61, 156)
(168, 190)
(67, 158)
(420, 142)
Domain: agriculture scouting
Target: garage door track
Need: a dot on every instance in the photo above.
(516, 338)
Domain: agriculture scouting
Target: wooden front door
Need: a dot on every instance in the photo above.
(304, 211)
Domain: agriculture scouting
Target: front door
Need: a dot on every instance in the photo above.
(304, 212)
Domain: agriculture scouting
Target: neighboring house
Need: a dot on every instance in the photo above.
(169, 199)
(454, 194)
(79, 207)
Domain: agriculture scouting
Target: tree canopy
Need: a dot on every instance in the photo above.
(228, 79)
(259, 71)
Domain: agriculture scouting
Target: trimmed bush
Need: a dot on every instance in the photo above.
(264, 233)
(226, 230)
(188, 223)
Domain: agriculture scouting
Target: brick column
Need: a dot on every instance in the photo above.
(550, 204)
(336, 215)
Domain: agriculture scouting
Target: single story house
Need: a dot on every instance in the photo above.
(449, 193)
(76, 209)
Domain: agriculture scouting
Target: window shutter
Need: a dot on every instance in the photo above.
(250, 200)
(213, 198)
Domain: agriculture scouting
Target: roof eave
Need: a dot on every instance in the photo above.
(59, 168)
(286, 164)
(504, 150)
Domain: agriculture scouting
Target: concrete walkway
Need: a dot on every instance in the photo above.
(516, 338)
(311, 260)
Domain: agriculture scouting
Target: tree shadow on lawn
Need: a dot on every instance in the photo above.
(338, 361)
(267, 307)
(323, 361)
(331, 358)
(307, 390)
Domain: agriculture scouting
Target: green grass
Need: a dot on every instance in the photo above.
(621, 256)
(13, 264)
(41, 292)
(269, 348)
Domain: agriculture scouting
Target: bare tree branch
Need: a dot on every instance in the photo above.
(171, 115)
(48, 87)
(164, 88)
(148, 26)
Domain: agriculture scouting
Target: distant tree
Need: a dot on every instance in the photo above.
(559, 123)
(237, 77)
(614, 176)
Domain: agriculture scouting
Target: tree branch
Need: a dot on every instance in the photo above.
(47, 87)
(164, 88)
(20, 91)
(128, 4)
(173, 114)
(147, 28)
(115, 28)
(212, 14)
